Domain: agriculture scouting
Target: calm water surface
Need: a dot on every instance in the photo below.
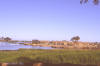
(10, 46)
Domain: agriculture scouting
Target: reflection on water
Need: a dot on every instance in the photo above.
(10, 46)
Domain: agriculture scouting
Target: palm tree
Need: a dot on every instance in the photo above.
(94, 1)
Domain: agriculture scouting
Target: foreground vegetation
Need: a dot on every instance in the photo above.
(51, 56)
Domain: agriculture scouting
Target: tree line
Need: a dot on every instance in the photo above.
(5, 38)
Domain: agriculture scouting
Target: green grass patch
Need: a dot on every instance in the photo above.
(51, 56)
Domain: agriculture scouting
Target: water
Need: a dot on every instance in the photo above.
(10, 46)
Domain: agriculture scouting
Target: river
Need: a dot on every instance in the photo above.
(10, 46)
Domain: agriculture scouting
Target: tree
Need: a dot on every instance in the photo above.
(35, 41)
(7, 39)
(2, 38)
(94, 1)
(75, 39)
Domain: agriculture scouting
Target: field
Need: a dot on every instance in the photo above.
(51, 56)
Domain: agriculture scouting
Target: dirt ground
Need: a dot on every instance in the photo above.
(42, 64)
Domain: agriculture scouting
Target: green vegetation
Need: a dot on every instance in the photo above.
(51, 56)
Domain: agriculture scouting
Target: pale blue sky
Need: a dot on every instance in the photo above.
(49, 20)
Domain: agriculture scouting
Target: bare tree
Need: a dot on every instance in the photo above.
(96, 2)
(7, 39)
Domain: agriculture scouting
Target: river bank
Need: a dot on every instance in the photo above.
(58, 44)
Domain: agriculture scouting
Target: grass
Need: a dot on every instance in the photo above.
(51, 56)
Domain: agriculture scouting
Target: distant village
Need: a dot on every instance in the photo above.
(73, 44)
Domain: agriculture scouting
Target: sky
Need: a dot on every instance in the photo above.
(49, 20)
